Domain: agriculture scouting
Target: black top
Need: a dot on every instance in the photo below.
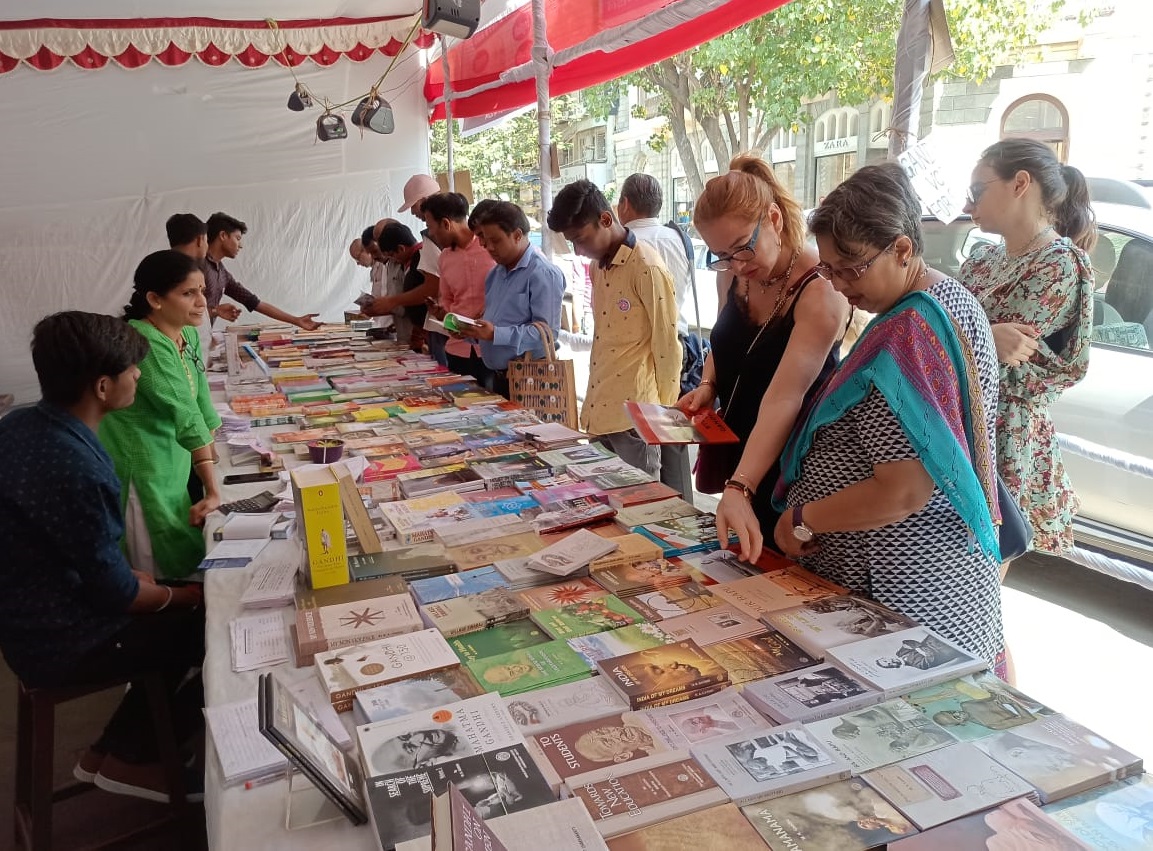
(731, 338)
(413, 278)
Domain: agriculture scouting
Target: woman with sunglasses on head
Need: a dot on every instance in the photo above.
(168, 430)
(1037, 288)
(774, 340)
(888, 481)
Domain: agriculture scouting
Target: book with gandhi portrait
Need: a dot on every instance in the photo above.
(977, 705)
(902, 662)
(830, 621)
(517, 671)
(879, 735)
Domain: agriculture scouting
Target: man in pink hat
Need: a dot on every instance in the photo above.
(419, 187)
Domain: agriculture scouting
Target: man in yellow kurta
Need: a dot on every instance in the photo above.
(636, 355)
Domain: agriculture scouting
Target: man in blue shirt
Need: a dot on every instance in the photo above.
(73, 612)
(523, 288)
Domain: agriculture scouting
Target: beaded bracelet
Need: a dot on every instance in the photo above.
(742, 487)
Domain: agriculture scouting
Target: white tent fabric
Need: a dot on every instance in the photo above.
(95, 161)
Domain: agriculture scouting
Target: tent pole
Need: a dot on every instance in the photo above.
(447, 115)
(542, 60)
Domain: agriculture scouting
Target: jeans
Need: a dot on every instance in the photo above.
(675, 470)
(436, 344)
(632, 450)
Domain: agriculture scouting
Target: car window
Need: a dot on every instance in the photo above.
(1123, 296)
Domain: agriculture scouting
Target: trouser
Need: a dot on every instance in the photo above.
(472, 365)
(436, 344)
(675, 470)
(500, 383)
(170, 643)
(632, 450)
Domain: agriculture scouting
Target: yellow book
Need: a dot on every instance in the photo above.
(320, 524)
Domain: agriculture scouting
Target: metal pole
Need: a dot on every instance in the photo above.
(542, 58)
(447, 114)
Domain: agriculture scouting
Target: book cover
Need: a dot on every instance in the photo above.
(561, 459)
(410, 517)
(946, 784)
(320, 524)
(809, 694)
(474, 529)
(344, 624)
(644, 577)
(381, 468)
(420, 561)
(1017, 824)
(437, 588)
(622, 478)
(750, 659)
(423, 692)
(661, 424)
(712, 626)
(439, 480)
(546, 709)
(902, 662)
(561, 593)
(504, 638)
(624, 801)
(1115, 817)
(719, 828)
(440, 454)
(492, 550)
(1060, 757)
(818, 625)
(501, 504)
(348, 670)
(618, 642)
(757, 765)
(879, 735)
(674, 602)
(659, 672)
(756, 595)
(567, 556)
(691, 722)
(437, 734)
(586, 617)
(457, 824)
(720, 566)
(640, 494)
(684, 534)
(604, 466)
(520, 576)
(557, 825)
(844, 816)
(385, 586)
(631, 549)
(494, 783)
(977, 705)
(551, 663)
(569, 514)
(462, 615)
(576, 749)
(655, 512)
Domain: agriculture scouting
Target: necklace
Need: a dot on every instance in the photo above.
(788, 273)
(1030, 245)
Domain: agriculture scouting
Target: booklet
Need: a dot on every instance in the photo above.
(670, 425)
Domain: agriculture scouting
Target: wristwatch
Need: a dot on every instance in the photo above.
(800, 531)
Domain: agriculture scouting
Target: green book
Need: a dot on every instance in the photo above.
(505, 638)
(548, 664)
(586, 617)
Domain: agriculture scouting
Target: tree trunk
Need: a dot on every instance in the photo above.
(689, 158)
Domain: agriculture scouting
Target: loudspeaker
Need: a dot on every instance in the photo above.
(374, 113)
(329, 127)
(454, 18)
(299, 100)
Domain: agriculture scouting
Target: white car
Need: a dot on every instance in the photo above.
(1108, 417)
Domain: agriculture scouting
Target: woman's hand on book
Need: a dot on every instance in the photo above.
(735, 514)
(698, 399)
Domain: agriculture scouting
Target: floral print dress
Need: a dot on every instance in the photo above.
(1049, 289)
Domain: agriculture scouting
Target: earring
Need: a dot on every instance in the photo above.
(904, 263)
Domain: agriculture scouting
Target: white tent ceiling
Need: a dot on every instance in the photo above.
(20, 10)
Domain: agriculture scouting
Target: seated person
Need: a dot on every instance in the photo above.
(74, 612)
(522, 288)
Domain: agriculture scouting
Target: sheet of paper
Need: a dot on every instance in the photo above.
(319, 706)
(273, 583)
(238, 549)
(248, 527)
(243, 752)
(258, 641)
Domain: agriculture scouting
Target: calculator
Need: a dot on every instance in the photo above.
(258, 504)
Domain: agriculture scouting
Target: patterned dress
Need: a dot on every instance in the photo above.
(1050, 289)
(926, 566)
(151, 444)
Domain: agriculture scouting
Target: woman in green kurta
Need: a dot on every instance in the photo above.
(167, 431)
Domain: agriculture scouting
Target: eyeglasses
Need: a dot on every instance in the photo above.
(977, 190)
(193, 356)
(724, 262)
(851, 274)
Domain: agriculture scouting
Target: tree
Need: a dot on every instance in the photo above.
(738, 90)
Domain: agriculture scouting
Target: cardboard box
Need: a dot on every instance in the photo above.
(320, 524)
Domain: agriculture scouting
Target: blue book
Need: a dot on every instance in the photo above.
(508, 505)
(683, 535)
(451, 585)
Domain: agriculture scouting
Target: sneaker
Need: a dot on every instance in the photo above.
(144, 781)
(86, 769)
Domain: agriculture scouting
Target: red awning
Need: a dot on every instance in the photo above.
(590, 45)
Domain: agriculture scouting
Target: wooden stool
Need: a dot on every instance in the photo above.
(35, 735)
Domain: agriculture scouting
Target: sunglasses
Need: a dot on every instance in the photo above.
(977, 190)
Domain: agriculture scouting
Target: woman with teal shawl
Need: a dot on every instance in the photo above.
(887, 483)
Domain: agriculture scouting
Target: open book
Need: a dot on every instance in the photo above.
(661, 424)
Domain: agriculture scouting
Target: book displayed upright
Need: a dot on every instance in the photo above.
(320, 524)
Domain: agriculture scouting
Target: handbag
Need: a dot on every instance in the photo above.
(547, 386)
(1016, 532)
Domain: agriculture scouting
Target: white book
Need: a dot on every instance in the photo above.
(880, 735)
(407, 696)
(479, 529)
(683, 725)
(819, 691)
(546, 709)
(946, 784)
(598, 468)
(520, 574)
(654, 512)
(712, 626)
(567, 556)
(818, 625)
(243, 752)
(563, 826)
(440, 734)
(903, 662)
(757, 765)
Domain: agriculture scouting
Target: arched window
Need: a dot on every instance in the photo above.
(1040, 117)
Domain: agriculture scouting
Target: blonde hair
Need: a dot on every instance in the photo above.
(747, 191)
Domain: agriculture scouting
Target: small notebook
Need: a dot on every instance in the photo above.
(243, 752)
